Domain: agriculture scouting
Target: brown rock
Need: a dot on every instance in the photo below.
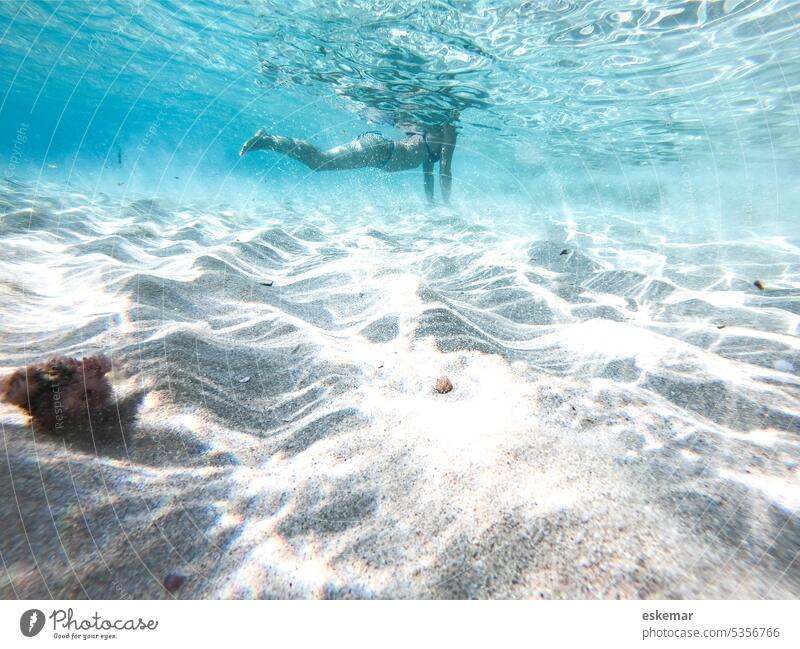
(443, 385)
(173, 582)
(59, 389)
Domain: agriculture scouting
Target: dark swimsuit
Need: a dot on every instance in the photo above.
(390, 148)
(432, 157)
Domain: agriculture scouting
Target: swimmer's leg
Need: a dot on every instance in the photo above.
(300, 150)
(370, 150)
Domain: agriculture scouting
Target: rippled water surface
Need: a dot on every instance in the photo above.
(641, 80)
(614, 291)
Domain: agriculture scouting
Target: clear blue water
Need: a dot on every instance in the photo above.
(626, 406)
(687, 92)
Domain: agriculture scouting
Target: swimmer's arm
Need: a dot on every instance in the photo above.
(427, 173)
(445, 170)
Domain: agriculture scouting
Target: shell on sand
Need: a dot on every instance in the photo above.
(443, 385)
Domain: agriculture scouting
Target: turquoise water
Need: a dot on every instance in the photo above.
(614, 291)
(648, 95)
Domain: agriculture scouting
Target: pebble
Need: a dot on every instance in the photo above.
(173, 582)
(443, 385)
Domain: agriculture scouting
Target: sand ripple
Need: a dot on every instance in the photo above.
(624, 421)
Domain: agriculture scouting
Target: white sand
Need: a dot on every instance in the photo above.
(604, 438)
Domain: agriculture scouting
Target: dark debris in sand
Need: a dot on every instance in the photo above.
(59, 390)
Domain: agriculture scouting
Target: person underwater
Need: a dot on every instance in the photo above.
(422, 146)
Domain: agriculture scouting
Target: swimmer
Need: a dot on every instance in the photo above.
(371, 149)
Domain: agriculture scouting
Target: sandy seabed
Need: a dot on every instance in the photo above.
(624, 420)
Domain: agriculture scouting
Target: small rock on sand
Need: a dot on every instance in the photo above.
(173, 582)
(443, 385)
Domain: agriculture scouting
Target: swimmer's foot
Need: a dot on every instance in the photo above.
(261, 140)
